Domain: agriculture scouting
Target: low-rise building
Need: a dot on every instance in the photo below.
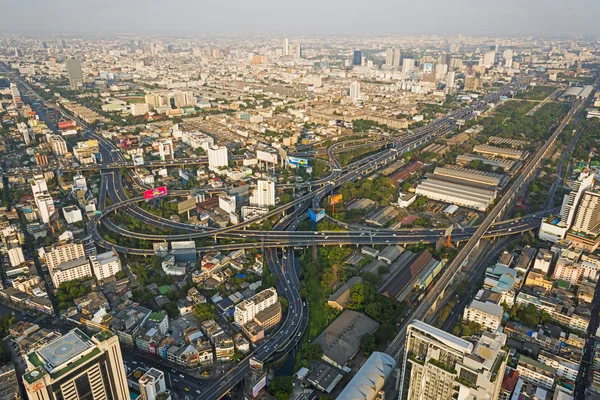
(486, 314)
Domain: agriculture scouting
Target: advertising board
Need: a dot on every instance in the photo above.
(255, 364)
(186, 205)
(335, 199)
(260, 385)
(156, 192)
(266, 156)
(316, 214)
(301, 162)
(184, 175)
(66, 124)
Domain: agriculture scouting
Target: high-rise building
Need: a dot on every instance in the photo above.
(441, 366)
(355, 91)
(77, 367)
(181, 98)
(42, 198)
(63, 253)
(246, 310)
(489, 58)
(397, 55)
(587, 216)
(297, 51)
(58, 144)
(165, 149)
(105, 265)
(286, 47)
(389, 57)
(472, 82)
(264, 194)
(75, 74)
(152, 385)
(38, 184)
(583, 183)
(508, 58)
(217, 157)
(357, 57)
(408, 64)
(70, 271)
(450, 79)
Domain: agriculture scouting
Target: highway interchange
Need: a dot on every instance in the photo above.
(278, 244)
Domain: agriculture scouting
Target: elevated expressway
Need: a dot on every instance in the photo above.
(284, 236)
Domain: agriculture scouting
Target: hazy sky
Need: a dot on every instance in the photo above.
(305, 17)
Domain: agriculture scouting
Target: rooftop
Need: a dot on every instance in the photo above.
(72, 264)
(341, 339)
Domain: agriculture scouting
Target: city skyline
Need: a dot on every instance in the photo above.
(468, 17)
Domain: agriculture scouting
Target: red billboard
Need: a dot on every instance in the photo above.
(66, 124)
(156, 192)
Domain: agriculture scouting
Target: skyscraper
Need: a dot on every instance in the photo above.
(408, 65)
(75, 74)
(355, 91)
(389, 57)
(357, 57)
(397, 55)
(583, 183)
(450, 80)
(587, 217)
(286, 47)
(441, 366)
(508, 58)
(297, 51)
(75, 366)
(489, 58)
(217, 157)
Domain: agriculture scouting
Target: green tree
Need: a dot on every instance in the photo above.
(313, 351)
(281, 386)
(205, 312)
(68, 291)
(368, 344)
(171, 309)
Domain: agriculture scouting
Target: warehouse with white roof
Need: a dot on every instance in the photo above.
(369, 380)
(454, 193)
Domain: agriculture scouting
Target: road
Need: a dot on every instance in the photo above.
(292, 328)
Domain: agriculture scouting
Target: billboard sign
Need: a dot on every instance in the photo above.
(266, 156)
(184, 175)
(260, 385)
(300, 162)
(335, 199)
(156, 192)
(138, 160)
(66, 124)
(255, 364)
(186, 205)
(316, 214)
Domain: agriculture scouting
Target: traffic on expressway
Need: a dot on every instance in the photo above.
(280, 242)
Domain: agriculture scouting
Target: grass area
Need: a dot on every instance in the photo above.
(536, 93)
